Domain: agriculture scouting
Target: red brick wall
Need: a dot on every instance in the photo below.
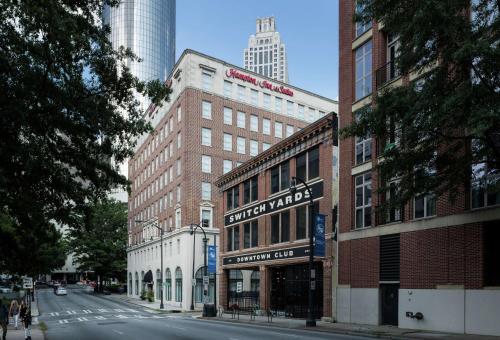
(359, 262)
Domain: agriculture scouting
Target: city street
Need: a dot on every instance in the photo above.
(80, 315)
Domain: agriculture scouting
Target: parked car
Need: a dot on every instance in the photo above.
(61, 291)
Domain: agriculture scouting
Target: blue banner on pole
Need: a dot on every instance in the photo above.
(212, 259)
(319, 235)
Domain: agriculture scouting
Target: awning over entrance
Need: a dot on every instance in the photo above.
(148, 277)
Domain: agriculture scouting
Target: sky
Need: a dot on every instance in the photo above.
(309, 29)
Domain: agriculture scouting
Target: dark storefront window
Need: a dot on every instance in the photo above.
(233, 198)
(280, 177)
(233, 238)
(250, 190)
(280, 227)
(251, 234)
(307, 165)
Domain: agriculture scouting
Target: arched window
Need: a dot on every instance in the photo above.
(136, 283)
(199, 286)
(235, 276)
(158, 284)
(178, 285)
(255, 281)
(168, 285)
(130, 283)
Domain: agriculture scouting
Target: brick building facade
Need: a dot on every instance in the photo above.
(264, 236)
(218, 117)
(431, 256)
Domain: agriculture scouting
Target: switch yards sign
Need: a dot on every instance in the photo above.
(286, 200)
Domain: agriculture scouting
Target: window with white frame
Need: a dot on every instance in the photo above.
(363, 70)
(289, 130)
(278, 129)
(227, 166)
(206, 217)
(265, 146)
(483, 190)
(228, 142)
(300, 114)
(178, 193)
(254, 99)
(179, 140)
(228, 116)
(206, 136)
(266, 126)
(207, 80)
(206, 109)
(228, 89)
(179, 167)
(289, 108)
(361, 26)
(311, 115)
(178, 220)
(363, 200)
(242, 93)
(254, 147)
(240, 119)
(240, 145)
(206, 164)
(267, 101)
(206, 191)
(278, 103)
(424, 205)
(254, 123)
(179, 113)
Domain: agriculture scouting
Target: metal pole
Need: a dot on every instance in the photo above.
(311, 321)
(205, 272)
(161, 269)
(215, 274)
(193, 278)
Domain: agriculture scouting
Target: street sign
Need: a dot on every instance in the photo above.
(27, 283)
(205, 280)
(239, 287)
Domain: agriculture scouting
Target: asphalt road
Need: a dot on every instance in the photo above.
(80, 315)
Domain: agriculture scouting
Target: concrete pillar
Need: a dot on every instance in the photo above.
(264, 287)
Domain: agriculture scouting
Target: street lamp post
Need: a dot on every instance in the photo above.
(193, 227)
(311, 321)
(155, 224)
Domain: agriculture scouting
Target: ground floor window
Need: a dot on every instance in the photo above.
(243, 288)
(168, 285)
(198, 292)
(178, 285)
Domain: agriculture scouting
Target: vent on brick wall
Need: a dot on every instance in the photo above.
(389, 257)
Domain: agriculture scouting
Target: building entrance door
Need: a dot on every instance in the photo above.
(389, 300)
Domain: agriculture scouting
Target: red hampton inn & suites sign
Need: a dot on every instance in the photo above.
(232, 73)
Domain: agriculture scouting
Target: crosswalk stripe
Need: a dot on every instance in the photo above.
(102, 310)
(82, 319)
(131, 310)
(87, 311)
(118, 310)
(63, 321)
(54, 314)
(70, 312)
(119, 316)
(100, 317)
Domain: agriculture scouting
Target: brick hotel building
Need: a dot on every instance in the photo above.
(218, 116)
(430, 256)
(264, 235)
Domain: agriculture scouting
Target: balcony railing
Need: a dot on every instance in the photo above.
(386, 73)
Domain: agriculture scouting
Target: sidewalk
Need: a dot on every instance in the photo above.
(36, 333)
(385, 332)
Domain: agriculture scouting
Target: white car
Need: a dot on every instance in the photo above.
(61, 291)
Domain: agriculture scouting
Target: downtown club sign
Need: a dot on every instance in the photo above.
(271, 255)
(235, 74)
(274, 204)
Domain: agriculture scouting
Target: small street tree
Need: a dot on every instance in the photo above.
(99, 244)
(443, 127)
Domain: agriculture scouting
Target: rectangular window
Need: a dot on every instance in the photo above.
(228, 166)
(267, 101)
(179, 140)
(280, 227)
(179, 193)
(280, 177)
(266, 126)
(206, 164)
(179, 170)
(228, 89)
(311, 115)
(228, 142)
(206, 191)
(278, 129)
(265, 146)
(240, 119)
(206, 109)
(251, 234)
(303, 219)
(363, 70)
(300, 114)
(171, 124)
(483, 192)
(228, 116)
(254, 123)
(254, 147)
(206, 218)
(289, 130)
(170, 199)
(425, 205)
(363, 200)
(240, 145)
(179, 113)
(289, 108)
(178, 220)
(233, 238)
(206, 137)
(255, 97)
(363, 146)
(250, 190)
(307, 164)
(206, 81)
(278, 103)
(242, 93)
(361, 26)
(233, 198)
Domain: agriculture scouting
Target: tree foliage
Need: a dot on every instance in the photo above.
(67, 107)
(454, 105)
(99, 244)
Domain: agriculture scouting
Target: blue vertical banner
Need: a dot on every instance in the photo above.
(212, 259)
(319, 235)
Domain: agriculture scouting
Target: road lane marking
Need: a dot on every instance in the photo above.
(87, 311)
(63, 321)
(54, 314)
(118, 310)
(131, 310)
(114, 330)
(119, 316)
(70, 312)
(100, 317)
(102, 310)
(81, 319)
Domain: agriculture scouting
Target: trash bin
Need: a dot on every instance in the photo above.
(209, 310)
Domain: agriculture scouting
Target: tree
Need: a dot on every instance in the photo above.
(66, 108)
(448, 120)
(99, 244)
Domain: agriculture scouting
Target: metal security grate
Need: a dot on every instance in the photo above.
(389, 258)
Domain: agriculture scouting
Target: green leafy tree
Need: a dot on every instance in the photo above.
(99, 244)
(449, 118)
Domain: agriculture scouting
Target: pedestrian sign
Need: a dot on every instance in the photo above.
(27, 283)
(239, 287)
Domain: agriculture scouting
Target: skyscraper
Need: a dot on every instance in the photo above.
(266, 53)
(147, 27)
